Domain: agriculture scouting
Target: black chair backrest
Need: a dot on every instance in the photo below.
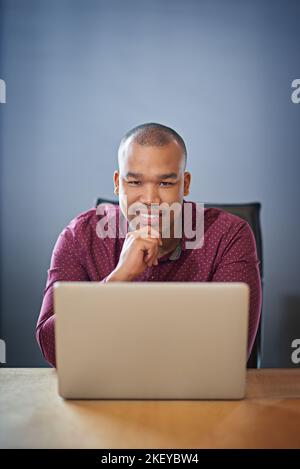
(251, 213)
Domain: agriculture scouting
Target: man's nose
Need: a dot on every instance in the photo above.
(150, 195)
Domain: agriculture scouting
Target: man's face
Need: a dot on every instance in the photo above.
(149, 176)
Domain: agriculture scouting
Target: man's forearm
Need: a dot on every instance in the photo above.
(46, 338)
(118, 276)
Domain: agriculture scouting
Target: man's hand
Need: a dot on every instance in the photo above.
(139, 251)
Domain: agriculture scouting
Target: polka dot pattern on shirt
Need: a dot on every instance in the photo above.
(228, 254)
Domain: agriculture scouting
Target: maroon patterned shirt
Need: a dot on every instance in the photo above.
(228, 254)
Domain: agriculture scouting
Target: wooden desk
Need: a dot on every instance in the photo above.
(32, 415)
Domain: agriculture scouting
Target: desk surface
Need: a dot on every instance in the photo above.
(32, 415)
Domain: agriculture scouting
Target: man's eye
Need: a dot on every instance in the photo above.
(167, 184)
(134, 183)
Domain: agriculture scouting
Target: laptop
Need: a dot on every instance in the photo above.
(151, 340)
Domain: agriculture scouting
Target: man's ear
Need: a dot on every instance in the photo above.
(187, 182)
(116, 182)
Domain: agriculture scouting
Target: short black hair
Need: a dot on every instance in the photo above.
(156, 135)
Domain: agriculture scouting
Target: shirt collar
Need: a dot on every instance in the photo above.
(175, 255)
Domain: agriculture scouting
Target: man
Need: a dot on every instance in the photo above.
(152, 162)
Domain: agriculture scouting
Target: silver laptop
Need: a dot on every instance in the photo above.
(151, 340)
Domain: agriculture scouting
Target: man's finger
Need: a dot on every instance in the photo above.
(151, 255)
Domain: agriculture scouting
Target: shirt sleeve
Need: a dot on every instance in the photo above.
(65, 266)
(239, 263)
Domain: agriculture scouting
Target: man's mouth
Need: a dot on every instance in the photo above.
(150, 218)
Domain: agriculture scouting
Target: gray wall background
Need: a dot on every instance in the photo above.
(81, 73)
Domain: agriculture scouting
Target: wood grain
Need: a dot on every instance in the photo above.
(32, 415)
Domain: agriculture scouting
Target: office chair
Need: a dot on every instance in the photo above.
(251, 213)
